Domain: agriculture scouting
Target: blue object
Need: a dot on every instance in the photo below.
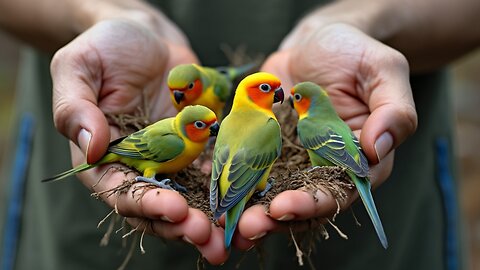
(448, 190)
(15, 203)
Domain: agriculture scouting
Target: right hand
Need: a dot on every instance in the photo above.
(368, 83)
(110, 68)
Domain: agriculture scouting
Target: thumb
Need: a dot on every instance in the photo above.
(392, 119)
(75, 111)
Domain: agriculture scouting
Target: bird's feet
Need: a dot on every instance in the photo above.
(165, 183)
(269, 185)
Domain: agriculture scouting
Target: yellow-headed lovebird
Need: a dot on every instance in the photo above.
(193, 84)
(330, 142)
(248, 143)
(166, 146)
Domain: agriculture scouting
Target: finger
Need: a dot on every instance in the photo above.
(255, 224)
(195, 229)
(301, 205)
(381, 171)
(156, 203)
(393, 116)
(243, 243)
(75, 110)
(214, 250)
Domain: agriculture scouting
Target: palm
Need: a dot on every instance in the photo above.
(112, 68)
(368, 83)
(345, 62)
(127, 64)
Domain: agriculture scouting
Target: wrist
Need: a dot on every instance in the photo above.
(374, 18)
(88, 13)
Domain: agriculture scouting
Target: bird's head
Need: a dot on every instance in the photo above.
(185, 84)
(304, 95)
(197, 123)
(261, 88)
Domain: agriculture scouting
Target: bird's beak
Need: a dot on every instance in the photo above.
(214, 129)
(178, 96)
(290, 100)
(279, 95)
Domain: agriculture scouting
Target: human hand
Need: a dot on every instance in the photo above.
(368, 83)
(111, 68)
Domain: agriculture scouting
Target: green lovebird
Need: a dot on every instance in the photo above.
(191, 84)
(164, 147)
(330, 142)
(248, 143)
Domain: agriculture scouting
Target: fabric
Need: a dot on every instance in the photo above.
(58, 221)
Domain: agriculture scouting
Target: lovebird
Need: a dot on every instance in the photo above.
(194, 84)
(247, 145)
(330, 142)
(166, 146)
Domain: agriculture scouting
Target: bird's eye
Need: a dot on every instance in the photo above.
(200, 124)
(191, 85)
(265, 87)
(222, 70)
(297, 97)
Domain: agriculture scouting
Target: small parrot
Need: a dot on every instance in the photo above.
(248, 143)
(166, 146)
(330, 142)
(193, 84)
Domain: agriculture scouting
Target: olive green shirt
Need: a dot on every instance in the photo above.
(417, 204)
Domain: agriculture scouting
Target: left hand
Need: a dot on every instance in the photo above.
(368, 83)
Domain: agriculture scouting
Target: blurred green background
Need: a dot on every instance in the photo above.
(467, 103)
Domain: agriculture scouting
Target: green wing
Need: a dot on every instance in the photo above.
(152, 143)
(222, 86)
(249, 163)
(332, 146)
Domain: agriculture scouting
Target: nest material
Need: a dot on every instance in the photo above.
(292, 171)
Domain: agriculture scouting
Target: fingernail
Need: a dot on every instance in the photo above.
(383, 145)
(188, 240)
(286, 217)
(165, 218)
(260, 235)
(83, 139)
(250, 248)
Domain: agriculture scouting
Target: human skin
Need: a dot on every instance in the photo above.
(361, 49)
(109, 59)
(361, 54)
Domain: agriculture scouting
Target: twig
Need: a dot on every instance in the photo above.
(344, 236)
(299, 253)
(129, 254)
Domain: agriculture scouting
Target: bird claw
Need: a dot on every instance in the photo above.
(178, 187)
(268, 187)
(164, 184)
(151, 180)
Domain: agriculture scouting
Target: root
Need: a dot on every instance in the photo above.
(298, 252)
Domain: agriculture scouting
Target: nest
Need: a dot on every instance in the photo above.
(292, 171)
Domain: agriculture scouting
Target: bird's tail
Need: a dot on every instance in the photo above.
(231, 220)
(363, 187)
(79, 168)
(234, 73)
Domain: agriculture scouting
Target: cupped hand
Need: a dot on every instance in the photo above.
(115, 67)
(368, 83)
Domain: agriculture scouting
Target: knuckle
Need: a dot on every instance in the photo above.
(409, 114)
(62, 109)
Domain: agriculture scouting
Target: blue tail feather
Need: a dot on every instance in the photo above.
(363, 187)
(232, 216)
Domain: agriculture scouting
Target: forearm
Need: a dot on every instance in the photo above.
(429, 33)
(50, 24)
(45, 24)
